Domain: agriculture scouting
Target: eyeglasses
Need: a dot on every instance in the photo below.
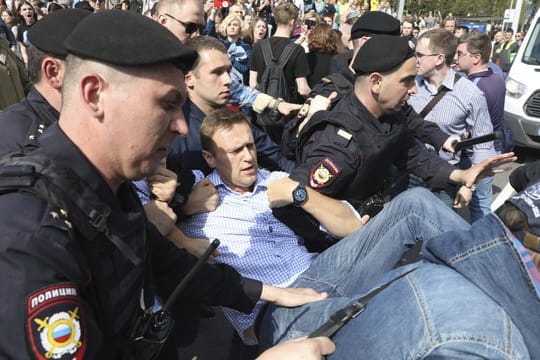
(419, 55)
(461, 54)
(190, 27)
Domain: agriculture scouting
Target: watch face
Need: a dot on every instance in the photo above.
(299, 195)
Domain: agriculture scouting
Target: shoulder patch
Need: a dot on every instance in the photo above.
(323, 174)
(344, 134)
(55, 326)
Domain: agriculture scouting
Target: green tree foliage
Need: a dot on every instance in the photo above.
(458, 8)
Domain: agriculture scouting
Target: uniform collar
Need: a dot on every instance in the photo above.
(56, 145)
(48, 114)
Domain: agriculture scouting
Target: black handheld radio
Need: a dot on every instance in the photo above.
(154, 329)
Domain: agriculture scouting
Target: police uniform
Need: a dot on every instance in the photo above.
(69, 296)
(24, 122)
(351, 160)
(372, 24)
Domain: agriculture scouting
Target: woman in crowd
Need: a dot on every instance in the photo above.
(238, 50)
(28, 17)
(257, 31)
(322, 43)
(9, 18)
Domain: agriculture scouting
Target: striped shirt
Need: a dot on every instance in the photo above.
(525, 256)
(462, 109)
(253, 241)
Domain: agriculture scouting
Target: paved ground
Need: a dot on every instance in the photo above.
(216, 335)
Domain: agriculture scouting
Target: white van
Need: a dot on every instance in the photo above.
(522, 103)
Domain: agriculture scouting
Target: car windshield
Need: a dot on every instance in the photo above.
(531, 55)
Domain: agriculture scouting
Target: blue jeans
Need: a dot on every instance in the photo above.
(471, 298)
(359, 260)
(480, 204)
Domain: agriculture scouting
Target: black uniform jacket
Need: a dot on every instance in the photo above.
(335, 163)
(24, 122)
(65, 297)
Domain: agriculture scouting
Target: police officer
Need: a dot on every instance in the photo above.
(348, 154)
(24, 122)
(342, 76)
(77, 277)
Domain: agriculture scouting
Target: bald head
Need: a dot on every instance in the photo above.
(184, 18)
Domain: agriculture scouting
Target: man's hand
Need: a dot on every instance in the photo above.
(300, 349)
(449, 142)
(463, 197)
(203, 198)
(279, 192)
(318, 103)
(161, 215)
(163, 183)
(286, 108)
(479, 171)
(290, 297)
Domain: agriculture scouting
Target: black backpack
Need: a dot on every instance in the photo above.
(274, 83)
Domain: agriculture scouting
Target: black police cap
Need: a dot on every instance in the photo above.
(381, 54)
(125, 38)
(375, 23)
(49, 33)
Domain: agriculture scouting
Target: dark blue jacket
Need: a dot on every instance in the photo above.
(24, 122)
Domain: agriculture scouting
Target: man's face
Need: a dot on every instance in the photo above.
(234, 157)
(396, 87)
(406, 29)
(209, 83)
(141, 137)
(498, 36)
(426, 60)
(459, 32)
(237, 10)
(464, 60)
(508, 35)
(177, 17)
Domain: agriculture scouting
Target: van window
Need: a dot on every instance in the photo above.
(531, 55)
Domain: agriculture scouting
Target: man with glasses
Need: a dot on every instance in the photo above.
(348, 153)
(462, 111)
(183, 18)
(472, 58)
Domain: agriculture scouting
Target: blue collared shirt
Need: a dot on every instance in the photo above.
(253, 241)
(462, 109)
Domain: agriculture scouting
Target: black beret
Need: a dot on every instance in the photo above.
(375, 23)
(49, 33)
(382, 53)
(126, 38)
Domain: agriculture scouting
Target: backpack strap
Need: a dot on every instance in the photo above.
(267, 52)
(286, 54)
(430, 105)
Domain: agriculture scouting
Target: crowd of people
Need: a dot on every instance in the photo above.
(316, 140)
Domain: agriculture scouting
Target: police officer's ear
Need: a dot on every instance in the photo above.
(52, 71)
(375, 80)
(92, 86)
(210, 159)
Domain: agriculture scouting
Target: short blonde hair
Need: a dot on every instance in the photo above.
(227, 21)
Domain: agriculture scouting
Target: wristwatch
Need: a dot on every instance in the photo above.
(299, 195)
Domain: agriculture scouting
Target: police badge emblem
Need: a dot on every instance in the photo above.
(54, 324)
(323, 174)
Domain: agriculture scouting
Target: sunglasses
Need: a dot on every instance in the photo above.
(190, 27)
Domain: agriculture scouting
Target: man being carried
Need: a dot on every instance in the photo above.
(260, 246)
